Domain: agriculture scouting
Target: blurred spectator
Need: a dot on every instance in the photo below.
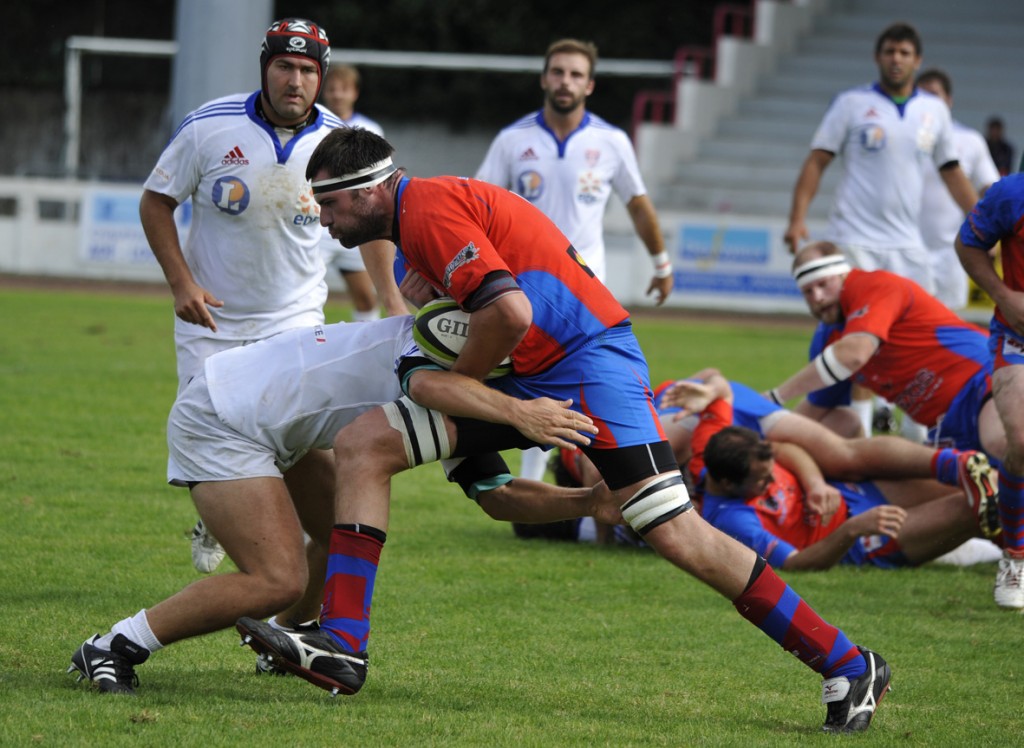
(1000, 148)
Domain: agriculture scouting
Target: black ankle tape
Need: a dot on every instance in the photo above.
(759, 565)
(367, 530)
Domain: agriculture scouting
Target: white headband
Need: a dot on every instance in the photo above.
(372, 175)
(822, 267)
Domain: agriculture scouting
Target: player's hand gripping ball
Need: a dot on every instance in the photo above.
(441, 329)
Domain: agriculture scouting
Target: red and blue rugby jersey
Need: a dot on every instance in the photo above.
(999, 217)
(455, 231)
(927, 353)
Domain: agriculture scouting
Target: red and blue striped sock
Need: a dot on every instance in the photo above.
(1011, 510)
(351, 571)
(944, 466)
(772, 605)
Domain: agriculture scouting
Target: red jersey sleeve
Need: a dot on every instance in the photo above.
(872, 302)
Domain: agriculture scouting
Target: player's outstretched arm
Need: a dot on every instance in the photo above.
(826, 553)
(542, 420)
(523, 500)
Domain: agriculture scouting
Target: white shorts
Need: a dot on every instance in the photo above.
(193, 352)
(908, 262)
(950, 278)
(344, 259)
(201, 447)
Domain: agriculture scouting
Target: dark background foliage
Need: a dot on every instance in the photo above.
(641, 29)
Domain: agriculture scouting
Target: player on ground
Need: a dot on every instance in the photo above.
(567, 161)
(848, 460)
(255, 411)
(776, 499)
(999, 217)
(531, 296)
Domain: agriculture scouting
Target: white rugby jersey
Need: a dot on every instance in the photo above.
(941, 217)
(884, 148)
(361, 120)
(255, 237)
(570, 180)
(293, 392)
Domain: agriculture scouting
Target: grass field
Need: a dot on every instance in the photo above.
(479, 639)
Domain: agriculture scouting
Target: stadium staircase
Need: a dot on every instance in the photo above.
(747, 161)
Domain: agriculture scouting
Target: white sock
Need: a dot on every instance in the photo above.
(368, 316)
(534, 463)
(912, 430)
(136, 629)
(272, 622)
(865, 410)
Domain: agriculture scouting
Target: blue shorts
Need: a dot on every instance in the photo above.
(958, 426)
(873, 550)
(608, 380)
(1006, 346)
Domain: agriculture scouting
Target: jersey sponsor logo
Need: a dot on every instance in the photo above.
(307, 209)
(858, 312)
(530, 184)
(230, 195)
(578, 259)
(1013, 349)
(588, 187)
(528, 155)
(926, 135)
(235, 157)
(466, 255)
(872, 138)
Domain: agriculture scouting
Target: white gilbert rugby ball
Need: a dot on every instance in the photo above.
(440, 330)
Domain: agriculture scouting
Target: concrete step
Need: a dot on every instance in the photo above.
(743, 174)
(753, 149)
(709, 198)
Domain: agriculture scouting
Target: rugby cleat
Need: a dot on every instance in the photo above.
(265, 663)
(109, 671)
(979, 482)
(852, 704)
(312, 655)
(1009, 588)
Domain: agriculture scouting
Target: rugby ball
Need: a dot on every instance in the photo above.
(440, 330)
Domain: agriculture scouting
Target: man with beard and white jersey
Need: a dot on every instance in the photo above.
(941, 217)
(567, 161)
(253, 412)
(885, 133)
(253, 262)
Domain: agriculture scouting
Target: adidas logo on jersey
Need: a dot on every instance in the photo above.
(528, 155)
(235, 157)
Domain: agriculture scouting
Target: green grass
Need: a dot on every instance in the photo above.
(479, 639)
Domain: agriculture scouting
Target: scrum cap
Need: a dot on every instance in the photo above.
(298, 37)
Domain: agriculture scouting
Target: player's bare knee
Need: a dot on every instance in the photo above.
(659, 500)
(366, 439)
